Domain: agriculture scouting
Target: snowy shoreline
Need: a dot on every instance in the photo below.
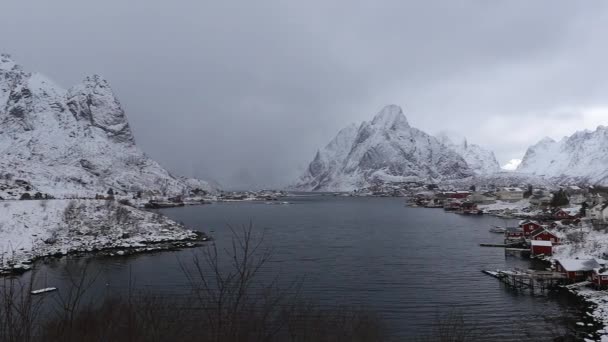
(596, 303)
(33, 230)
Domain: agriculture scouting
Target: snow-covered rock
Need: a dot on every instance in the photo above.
(31, 229)
(387, 149)
(581, 157)
(502, 179)
(480, 160)
(75, 142)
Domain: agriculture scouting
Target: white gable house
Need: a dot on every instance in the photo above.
(510, 194)
(598, 212)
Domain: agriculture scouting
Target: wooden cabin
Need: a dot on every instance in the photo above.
(599, 277)
(542, 234)
(538, 247)
(576, 269)
(562, 214)
(514, 233)
(528, 226)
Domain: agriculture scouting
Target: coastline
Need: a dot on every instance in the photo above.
(31, 230)
(114, 251)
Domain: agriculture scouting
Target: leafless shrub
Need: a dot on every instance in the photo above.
(451, 326)
(70, 213)
(225, 304)
(556, 328)
(19, 310)
(121, 214)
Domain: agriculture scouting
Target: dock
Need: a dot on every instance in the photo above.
(531, 280)
(508, 245)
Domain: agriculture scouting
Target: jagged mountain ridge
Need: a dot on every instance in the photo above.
(387, 149)
(73, 142)
(481, 161)
(581, 157)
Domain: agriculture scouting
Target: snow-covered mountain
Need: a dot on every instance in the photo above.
(76, 141)
(387, 149)
(581, 157)
(480, 160)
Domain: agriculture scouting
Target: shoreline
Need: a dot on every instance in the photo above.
(30, 230)
(595, 301)
(195, 240)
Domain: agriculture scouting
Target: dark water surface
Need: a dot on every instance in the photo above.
(410, 265)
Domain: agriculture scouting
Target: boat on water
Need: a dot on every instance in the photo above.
(498, 230)
(45, 290)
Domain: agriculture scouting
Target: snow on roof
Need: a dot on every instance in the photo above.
(542, 243)
(512, 189)
(601, 271)
(522, 222)
(571, 211)
(574, 265)
(539, 231)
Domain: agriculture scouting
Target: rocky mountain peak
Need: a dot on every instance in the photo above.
(7, 63)
(93, 102)
(583, 157)
(73, 143)
(386, 149)
(391, 117)
(546, 141)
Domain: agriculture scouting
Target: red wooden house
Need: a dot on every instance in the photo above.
(542, 234)
(576, 269)
(514, 233)
(529, 226)
(562, 214)
(456, 194)
(599, 277)
(538, 247)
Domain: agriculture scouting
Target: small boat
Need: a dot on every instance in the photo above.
(498, 230)
(45, 290)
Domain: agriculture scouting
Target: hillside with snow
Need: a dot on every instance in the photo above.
(581, 157)
(480, 160)
(72, 142)
(386, 149)
(32, 229)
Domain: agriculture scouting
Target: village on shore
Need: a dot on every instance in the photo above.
(36, 225)
(566, 227)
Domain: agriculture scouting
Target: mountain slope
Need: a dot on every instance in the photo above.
(480, 160)
(74, 142)
(582, 156)
(387, 149)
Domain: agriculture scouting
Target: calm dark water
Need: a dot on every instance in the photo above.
(411, 265)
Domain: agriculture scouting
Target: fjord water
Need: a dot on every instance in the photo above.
(410, 265)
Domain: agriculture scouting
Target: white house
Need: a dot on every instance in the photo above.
(541, 197)
(598, 212)
(481, 198)
(510, 194)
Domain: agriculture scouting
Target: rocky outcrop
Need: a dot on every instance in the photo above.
(73, 143)
(387, 149)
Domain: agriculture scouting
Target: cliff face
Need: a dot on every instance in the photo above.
(582, 156)
(75, 141)
(387, 149)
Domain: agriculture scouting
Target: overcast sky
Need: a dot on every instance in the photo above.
(245, 92)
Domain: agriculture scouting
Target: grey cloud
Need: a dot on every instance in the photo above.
(245, 92)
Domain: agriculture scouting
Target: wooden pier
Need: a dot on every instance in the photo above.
(531, 280)
(492, 245)
(505, 245)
